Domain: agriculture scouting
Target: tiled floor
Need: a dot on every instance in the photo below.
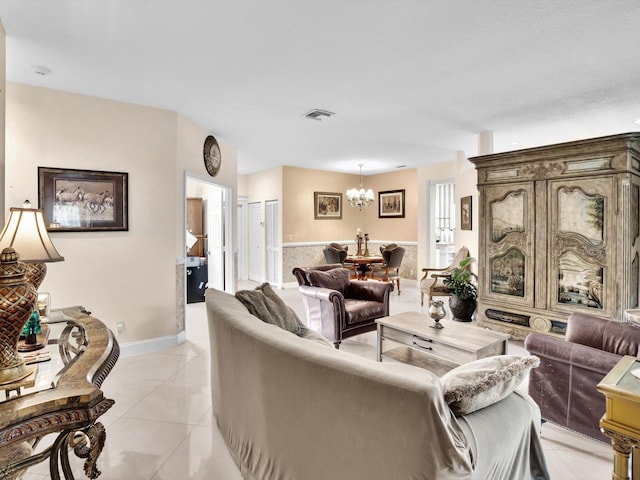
(161, 426)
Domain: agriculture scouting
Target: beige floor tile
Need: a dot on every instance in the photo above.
(174, 402)
(127, 391)
(150, 366)
(136, 449)
(201, 456)
(196, 371)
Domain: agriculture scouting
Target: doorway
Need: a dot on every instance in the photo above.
(441, 231)
(209, 240)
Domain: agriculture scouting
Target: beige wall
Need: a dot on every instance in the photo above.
(394, 229)
(265, 185)
(120, 276)
(299, 224)
(466, 185)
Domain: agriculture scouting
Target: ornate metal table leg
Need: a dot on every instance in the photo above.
(86, 443)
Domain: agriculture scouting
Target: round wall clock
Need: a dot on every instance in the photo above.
(211, 154)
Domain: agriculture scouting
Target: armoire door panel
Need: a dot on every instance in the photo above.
(582, 237)
(509, 263)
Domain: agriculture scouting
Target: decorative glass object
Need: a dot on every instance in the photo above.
(43, 305)
(436, 312)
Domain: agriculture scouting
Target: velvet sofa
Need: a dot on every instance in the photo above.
(291, 407)
(564, 385)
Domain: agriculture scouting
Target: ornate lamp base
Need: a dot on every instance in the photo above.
(18, 299)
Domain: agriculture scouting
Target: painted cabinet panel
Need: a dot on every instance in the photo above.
(510, 256)
(559, 232)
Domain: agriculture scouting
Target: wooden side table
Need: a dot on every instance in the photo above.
(621, 421)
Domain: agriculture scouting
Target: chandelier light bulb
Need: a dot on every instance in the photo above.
(360, 198)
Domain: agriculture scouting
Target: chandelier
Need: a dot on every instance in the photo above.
(359, 197)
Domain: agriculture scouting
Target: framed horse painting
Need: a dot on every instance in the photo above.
(83, 200)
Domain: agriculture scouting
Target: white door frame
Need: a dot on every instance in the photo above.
(242, 253)
(256, 241)
(228, 220)
(272, 247)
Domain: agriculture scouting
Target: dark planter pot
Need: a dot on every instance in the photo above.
(462, 309)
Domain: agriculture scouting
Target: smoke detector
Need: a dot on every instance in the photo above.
(317, 114)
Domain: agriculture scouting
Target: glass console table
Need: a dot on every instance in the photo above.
(61, 400)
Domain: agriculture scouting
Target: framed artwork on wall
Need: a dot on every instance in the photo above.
(465, 213)
(391, 204)
(83, 200)
(327, 205)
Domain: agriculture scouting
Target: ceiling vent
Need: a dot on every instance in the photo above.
(317, 114)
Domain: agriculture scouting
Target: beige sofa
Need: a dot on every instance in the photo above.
(292, 408)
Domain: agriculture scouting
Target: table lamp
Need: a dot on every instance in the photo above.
(24, 237)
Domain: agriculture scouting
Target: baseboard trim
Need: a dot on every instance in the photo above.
(139, 347)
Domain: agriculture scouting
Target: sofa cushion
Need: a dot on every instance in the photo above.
(267, 305)
(359, 311)
(335, 279)
(481, 383)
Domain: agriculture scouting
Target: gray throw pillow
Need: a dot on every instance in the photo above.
(481, 383)
(335, 279)
(265, 304)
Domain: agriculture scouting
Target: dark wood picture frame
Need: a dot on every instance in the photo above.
(391, 204)
(327, 205)
(465, 213)
(83, 200)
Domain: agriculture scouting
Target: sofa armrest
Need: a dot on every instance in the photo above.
(553, 349)
(373, 291)
(322, 294)
(325, 307)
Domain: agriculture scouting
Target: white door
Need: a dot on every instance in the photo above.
(256, 242)
(272, 242)
(215, 217)
(242, 238)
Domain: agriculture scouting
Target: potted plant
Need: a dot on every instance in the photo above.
(464, 292)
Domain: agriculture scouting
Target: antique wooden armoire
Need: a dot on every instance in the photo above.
(558, 232)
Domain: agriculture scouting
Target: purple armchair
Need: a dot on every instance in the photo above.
(564, 385)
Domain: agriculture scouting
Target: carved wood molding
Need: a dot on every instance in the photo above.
(54, 421)
(620, 443)
(518, 240)
(566, 243)
(543, 170)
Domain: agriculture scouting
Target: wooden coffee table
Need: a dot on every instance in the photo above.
(409, 338)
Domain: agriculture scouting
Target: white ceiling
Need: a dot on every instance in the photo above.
(411, 82)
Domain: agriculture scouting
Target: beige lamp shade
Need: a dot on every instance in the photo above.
(27, 234)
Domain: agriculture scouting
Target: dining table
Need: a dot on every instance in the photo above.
(363, 263)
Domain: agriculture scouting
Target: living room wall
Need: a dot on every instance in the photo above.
(120, 276)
